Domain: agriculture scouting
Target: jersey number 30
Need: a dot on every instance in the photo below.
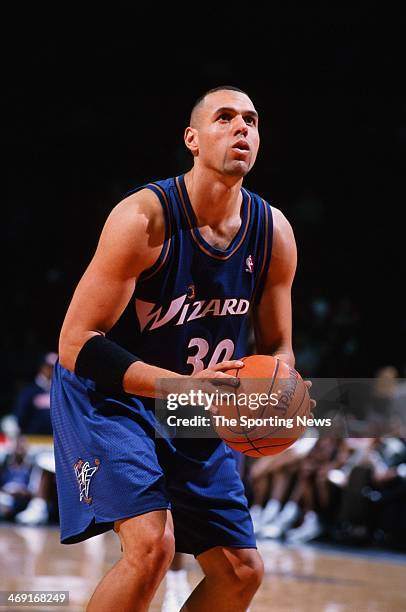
(223, 352)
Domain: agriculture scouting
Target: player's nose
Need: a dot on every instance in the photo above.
(240, 127)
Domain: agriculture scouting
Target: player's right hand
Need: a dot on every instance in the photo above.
(218, 373)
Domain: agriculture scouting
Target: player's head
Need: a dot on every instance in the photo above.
(223, 131)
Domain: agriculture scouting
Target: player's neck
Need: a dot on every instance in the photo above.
(213, 198)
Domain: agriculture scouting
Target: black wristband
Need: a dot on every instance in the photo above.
(105, 362)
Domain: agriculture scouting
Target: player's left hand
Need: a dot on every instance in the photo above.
(313, 402)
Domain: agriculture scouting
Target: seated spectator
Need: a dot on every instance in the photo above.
(313, 492)
(15, 476)
(271, 479)
(43, 487)
(32, 407)
(302, 491)
(373, 501)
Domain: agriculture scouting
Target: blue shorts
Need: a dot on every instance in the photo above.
(110, 465)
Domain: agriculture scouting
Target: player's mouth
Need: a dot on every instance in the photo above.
(241, 146)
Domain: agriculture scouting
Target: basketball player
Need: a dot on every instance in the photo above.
(188, 257)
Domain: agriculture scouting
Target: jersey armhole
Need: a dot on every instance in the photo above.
(267, 238)
(163, 256)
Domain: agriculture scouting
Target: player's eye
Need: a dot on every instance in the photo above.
(224, 117)
(250, 120)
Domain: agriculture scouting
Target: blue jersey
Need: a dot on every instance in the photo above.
(189, 310)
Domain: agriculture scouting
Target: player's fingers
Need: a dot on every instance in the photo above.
(228, 365)
(313, 404)
(221, 378)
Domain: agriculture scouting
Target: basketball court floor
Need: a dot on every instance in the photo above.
(298, 579)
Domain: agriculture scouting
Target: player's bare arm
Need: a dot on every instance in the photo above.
(130, 243)
(273, 315)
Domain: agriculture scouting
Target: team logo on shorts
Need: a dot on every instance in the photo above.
(249, 262)
(84, 475)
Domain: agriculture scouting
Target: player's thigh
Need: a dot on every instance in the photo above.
(233, 565)
(146, 533)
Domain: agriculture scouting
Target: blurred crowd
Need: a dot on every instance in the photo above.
(27, 466)
(349, 491)
(344, 486)
(331, 487)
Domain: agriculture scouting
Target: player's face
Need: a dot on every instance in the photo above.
(227, 133)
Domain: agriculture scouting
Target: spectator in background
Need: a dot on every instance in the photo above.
(27, 485)
(15, 474)
(313, 489)
(32, 407)
(398, 407)
(271, 480)
(373, 491)
(43, 489)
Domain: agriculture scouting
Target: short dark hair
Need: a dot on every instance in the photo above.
(213, 90)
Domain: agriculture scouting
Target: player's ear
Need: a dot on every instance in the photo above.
(192, 140)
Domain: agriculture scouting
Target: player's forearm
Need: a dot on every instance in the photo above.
(281, 351)
(142, 379)
(276, 344)
(139, 379)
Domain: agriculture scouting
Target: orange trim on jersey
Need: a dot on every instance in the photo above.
(197, 236)
(168, 240)
(259, 278)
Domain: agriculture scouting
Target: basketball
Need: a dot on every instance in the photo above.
(268, 411)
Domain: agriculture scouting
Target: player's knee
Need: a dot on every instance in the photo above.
(159, 547)
(245, 574)
(167, 546)
(155, 550)
(250, 573)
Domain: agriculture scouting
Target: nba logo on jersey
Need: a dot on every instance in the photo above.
(250, 264)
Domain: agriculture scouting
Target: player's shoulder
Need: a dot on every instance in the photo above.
(156, 188)
(136, 223)
(283, 242)
(144, 201)
(279, 219)
(283, 239)
(141, 208)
